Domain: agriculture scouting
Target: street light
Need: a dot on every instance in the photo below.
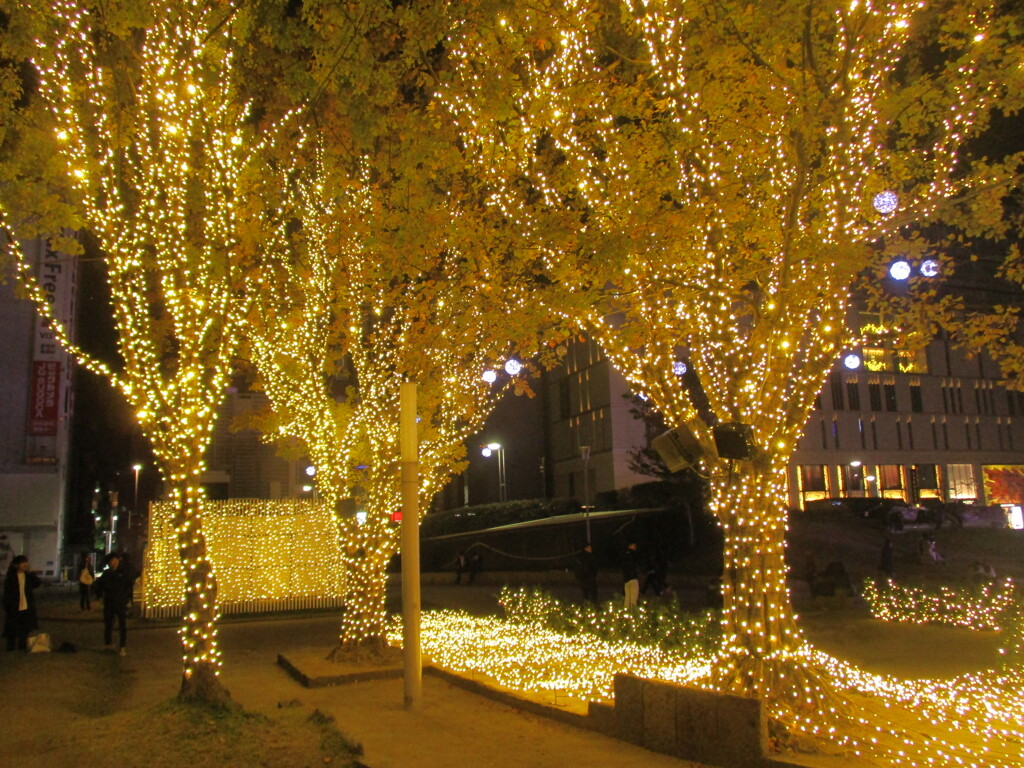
(585, 453)
(135, 498)
(487, 451)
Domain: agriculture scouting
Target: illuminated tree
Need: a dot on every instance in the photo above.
(362, 293)
(153, 139)
(379, 265)
(732, 169)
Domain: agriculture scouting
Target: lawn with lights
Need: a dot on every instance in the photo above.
(544, 647)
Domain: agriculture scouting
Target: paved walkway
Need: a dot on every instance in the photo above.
(453, 727)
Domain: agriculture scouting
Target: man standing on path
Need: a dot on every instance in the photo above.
(631, 575)
(115, 587)
(588, 573)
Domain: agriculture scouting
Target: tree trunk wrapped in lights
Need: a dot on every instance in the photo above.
(145, 108)
(708, 182)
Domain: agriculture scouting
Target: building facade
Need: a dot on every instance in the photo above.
(935, 424)
(913, 426)
(36, 403)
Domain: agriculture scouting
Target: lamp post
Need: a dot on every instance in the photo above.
(585, 453)
(496, 448)
(135, 498)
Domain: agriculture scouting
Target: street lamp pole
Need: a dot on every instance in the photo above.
(135, 498)
(585, 453)
(487, 451)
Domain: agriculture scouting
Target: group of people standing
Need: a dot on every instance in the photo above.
(113, 585)
(639, 574)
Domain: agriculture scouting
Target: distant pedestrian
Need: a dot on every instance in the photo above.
(461, 564)
(933, 551)
(476, 562)
(654, 574)
(86, 577)
(631, 576)
(587, 573)
(115, 587)
(983, 572)
(20, 603)
(885, 564)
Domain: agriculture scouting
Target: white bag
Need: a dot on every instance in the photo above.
(39, 643)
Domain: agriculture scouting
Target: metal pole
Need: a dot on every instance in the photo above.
(502, 483)
(411, 654)
(585, 450)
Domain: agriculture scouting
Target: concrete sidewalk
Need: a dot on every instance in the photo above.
(453, 727)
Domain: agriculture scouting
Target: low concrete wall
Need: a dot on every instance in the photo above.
(693, 724)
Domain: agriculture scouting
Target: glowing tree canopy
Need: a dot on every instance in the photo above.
(703, 177)
(152, 136)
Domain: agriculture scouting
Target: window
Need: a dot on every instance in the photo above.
(853, 477)
(960, 482)
(916, 402)
(812, 477)
(564, 399)
(875, 395)
(890, 480)
(877, 360)
(837, 392)
(853, 394)
(890, 395)
(927, 476)
(911, 362)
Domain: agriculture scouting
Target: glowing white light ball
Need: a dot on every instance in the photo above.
(886, 202)
(900, 270)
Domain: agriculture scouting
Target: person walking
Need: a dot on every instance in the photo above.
(115, 587)
(461, 564)
(587, 573)
(885, 564)
(631, 575)
(20, 603)
(85, 579)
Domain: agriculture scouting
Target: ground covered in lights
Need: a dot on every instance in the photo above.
(909, 694)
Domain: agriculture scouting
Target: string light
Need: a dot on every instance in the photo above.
(345, 294)
(155, 149)
(264, 553)
(707, 190)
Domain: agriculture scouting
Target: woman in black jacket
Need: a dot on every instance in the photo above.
(20, 603)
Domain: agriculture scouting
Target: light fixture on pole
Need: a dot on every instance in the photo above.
(496, 448)
(585, 453)
(135, 499)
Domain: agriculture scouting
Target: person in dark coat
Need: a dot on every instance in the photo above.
(587, 573)
(20, 603)
(885, 564)
(115, 587)
(631, 575)
(461, 565)
(476, 562)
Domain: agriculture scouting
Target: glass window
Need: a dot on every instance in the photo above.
(875, 395)
(853, 394)
(960, 482)
(837, 392)
(853, 477)
(812, 477)
(911, 362)
(877, 359)
(890, 396)
(890, 478)
(916, 401)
